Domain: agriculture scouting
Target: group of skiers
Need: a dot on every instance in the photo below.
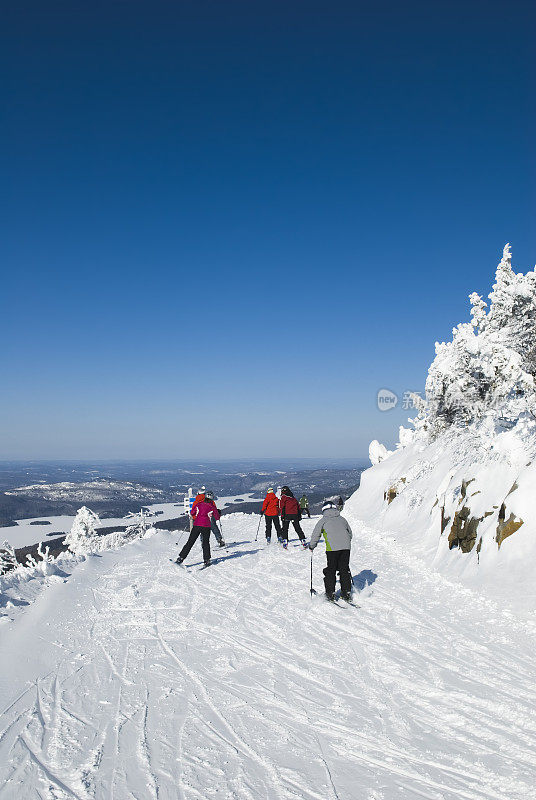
(284, 505)
(280, 509)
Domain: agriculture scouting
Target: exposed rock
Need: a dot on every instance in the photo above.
(465, 484)
(394, 490)
(507, 527)
(391, 494)
(464, 529)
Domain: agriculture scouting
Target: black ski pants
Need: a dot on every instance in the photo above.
(205, 542)
(277, 525)
(338, 561)
(295, 519)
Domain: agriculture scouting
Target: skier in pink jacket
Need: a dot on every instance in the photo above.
(202, 514)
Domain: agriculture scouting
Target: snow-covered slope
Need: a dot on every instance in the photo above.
(459, 489)
(134, 678)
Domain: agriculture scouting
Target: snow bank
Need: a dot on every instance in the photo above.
(21, 585)
(458, 490)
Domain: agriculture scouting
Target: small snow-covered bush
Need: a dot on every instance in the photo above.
(45, 562)
(377, 452)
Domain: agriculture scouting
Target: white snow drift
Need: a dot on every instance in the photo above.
(459, 489)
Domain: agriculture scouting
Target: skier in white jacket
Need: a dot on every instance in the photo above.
(337, 535)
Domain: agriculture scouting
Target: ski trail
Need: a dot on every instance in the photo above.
(232, 739)
(232, 683)
(61, 784)
(323, 757)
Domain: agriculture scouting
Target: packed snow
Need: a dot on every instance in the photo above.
(130, 677)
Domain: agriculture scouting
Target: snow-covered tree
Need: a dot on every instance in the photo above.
(8, 559)
(138, 529)
(82, 537)
(487, 372)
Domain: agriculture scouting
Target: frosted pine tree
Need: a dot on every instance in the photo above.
(82, 537)
(8, 559)
(486, 375)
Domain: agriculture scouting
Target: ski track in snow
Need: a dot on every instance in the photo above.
(139, 679)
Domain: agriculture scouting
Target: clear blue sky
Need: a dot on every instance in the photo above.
(225, 225)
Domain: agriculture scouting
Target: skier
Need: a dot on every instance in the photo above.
(270, 509)
(201, 514)
(304, 505)
(337, 535)
(209, 498)
(290, 512)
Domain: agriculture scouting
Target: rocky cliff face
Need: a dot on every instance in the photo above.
(460, 489)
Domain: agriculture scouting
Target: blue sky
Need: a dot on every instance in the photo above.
(227, 225)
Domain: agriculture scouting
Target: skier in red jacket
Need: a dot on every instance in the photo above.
(290, 512)
(270, 509)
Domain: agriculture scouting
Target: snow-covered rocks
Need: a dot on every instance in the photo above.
(459, 487)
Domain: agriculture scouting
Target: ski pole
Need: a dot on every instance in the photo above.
(258, 527)
(312, 590)
(352, 579)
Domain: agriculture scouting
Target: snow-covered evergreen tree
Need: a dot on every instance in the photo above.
(8, 559)
(82, 537)
(486, 374)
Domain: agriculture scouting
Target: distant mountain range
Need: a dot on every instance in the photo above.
(113, 489)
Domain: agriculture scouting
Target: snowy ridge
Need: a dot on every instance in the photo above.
(152, 682)
(458, 490)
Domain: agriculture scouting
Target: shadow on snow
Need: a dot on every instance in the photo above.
(365, 578)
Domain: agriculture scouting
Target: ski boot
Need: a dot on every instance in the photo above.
(179, 560)
(221, 543)
(268, 539)
(285, 544)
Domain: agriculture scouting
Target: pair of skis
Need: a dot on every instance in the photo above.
(340, 603)
(195, 569)
(335, 601)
